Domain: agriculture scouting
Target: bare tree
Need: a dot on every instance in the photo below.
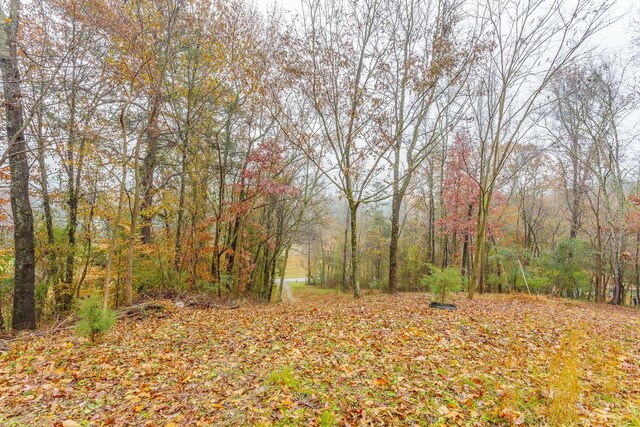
(573, 149)
(532, 41)
(609, 103)
(429, 61)
(345, 50)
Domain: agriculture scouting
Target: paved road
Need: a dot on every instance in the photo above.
(287, 295)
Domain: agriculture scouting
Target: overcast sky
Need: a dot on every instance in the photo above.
(618, 36)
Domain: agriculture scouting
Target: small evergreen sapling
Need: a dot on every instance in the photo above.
(443, 281)
(93, 320)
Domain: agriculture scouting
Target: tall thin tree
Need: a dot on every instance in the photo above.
(24, 315)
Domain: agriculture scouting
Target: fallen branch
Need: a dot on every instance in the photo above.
(59, 327)
(141, 309)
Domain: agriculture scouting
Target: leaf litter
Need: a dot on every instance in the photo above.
(335, 360)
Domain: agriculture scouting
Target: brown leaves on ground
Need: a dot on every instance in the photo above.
(337, 361)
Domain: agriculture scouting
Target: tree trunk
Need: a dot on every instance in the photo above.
(309, 278)
(354, 280)
(445, 251)
(66, 294)
(637, 269)
(393, 243)
(52, 267)
(343, 283)
(479, 255)
(466, 256)
(272, 277)
(24, 308)
(432, 219)
(115, 225)
(283, 271)
(178, 244)
(1, 313)
(88, 235)
(575, 191)
(149, 166)
(128, 282)
(618, 284)
(231, 258)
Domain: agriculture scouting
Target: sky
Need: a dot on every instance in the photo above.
(615, 39)
(619, 35)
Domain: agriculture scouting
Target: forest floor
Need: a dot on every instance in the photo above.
(329, 359)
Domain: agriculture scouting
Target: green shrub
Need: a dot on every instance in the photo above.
(538, 284)
(568, 268)
(377, 284)
(441, 282)
(93, 320)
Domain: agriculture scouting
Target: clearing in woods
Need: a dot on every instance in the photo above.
(330, 359)
(296, 266)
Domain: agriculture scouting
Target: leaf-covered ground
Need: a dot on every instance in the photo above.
(334, 360)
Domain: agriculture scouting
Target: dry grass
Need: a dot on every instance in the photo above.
(296, 266)
(565, 370)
